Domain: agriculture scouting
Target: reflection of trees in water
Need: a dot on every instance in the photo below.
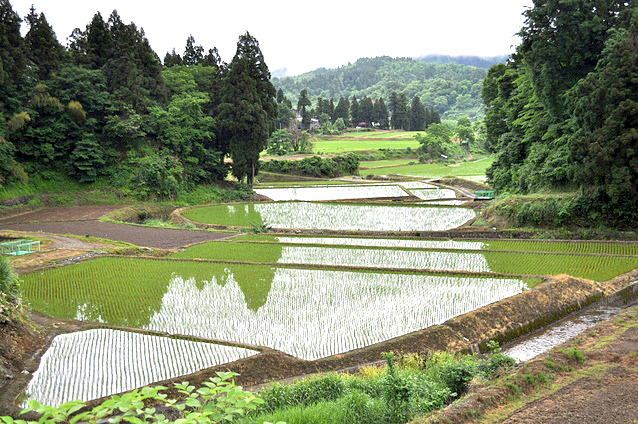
(255, 282)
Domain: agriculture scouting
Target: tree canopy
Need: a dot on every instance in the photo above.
(562, 112)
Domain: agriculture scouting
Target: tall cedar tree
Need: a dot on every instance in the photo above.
(381, 113)
(42, 46)
(605, 110)
(418, 116)
(303, 106)
(193, 55)
(248, 108)
(366, 110)
(342, 110)
(13, 60)
(354, 111)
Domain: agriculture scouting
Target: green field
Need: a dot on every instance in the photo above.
(598, 267)
(363, 143)
(474, 169)
(385, 163)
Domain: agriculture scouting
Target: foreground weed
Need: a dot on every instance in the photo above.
(218, 401)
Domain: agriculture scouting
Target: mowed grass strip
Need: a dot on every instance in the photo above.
(353, 144)
(465, 169)
(598, 268)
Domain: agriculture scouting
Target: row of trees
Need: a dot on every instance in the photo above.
(563, 111)
(106, 105)
(400, 114)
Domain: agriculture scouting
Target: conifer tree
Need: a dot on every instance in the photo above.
(354, 111)
(12, 57)
(193, 55)
(173, 59)
(417, 115)
(342, 110)
(248, 108)
(303, 106)
(42, 46)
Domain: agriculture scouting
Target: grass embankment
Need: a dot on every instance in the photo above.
(595, 267)
(60, 190)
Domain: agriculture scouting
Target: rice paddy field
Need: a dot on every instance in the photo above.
(405, 255)
(96, 363)
(310, 297)
(307, 313)
(318, 193)
(327, 216)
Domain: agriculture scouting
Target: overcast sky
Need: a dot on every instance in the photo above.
(302, 35)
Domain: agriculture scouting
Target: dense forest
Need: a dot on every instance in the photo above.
(454, 90)
(106, 106)
(476, 61)
(562, 114)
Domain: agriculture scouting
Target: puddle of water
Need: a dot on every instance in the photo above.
(554, 335)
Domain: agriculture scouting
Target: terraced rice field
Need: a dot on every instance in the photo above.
(304, 312)
(317, 193)
(96, 363)
(334, 216)
(594, 267)
(558, 246)
(332, 192)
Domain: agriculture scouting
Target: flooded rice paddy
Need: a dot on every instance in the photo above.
(96, 363)
(326, 216)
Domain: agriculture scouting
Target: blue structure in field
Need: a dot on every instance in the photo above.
(19, 247)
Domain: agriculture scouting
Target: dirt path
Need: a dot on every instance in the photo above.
(83, 221)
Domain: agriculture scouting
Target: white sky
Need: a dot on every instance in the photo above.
(302, 35)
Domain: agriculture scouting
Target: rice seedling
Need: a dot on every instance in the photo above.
(96, 363)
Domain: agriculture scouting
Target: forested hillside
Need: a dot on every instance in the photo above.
(452, 89)
(476, 61)
(562, 114)
(105, 107)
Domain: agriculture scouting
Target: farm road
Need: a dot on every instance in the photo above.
(84, 221)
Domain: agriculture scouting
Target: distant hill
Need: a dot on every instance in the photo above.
(477, 61)
(453, 89)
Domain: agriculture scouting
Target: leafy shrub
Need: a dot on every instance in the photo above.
(218, 401)
(327, 387)
(10, 301)
(457, 377)
(315, 166)
(575, 355)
